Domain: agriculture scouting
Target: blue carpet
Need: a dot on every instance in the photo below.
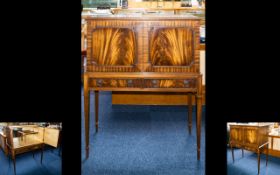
(248, 165)
(27, 165)
(146, 140)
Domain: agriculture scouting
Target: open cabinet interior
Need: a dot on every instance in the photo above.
(48, 133)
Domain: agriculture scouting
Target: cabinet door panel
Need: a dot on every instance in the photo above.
(236, 136)
(250, 137)
(51, 137)
(40, 135)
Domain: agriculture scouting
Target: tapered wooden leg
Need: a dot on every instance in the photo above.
(96, 110)
(59, 151)
(242, 152)
(258, 161)
(86, 111)
(42, 152)
(198, 124)
(266, 154)
(232, 153)
(9, 160)
(198, 114)
(190, 112)
(14, 160)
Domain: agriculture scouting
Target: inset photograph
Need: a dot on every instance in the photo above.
(253, 148)
(30, 148)
(143, 87)
(143, 90)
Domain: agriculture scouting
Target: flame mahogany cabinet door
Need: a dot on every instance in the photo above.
(111, 49)
(236, 136)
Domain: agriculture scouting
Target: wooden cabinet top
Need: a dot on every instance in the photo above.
(142, 17)
(246, 125)
(178, 8)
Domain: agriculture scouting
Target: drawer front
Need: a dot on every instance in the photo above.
(143, 83)
(28, 148)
